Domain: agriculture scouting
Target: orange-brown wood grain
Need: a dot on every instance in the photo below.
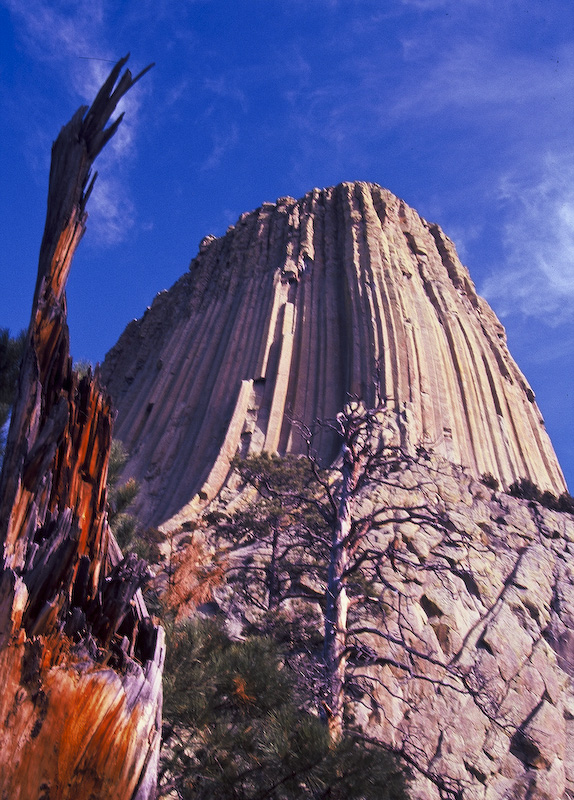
(78, 716)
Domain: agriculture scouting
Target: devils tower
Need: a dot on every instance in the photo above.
(298, 305)
(468, 647)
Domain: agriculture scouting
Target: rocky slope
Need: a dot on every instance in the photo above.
(471, 655)
(467, 671)
(491, 602)
(291, 310)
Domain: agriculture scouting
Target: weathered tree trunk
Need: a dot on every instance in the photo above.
(273, 581)
(358, 428)
(337, 601)
(80, 706)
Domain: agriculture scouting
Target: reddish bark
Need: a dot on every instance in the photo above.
(81, 703)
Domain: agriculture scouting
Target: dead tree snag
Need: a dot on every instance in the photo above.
(81, 700)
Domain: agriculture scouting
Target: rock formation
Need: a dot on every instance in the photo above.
(464, 659)
(289, 312)
(482, 617)
(300, 304)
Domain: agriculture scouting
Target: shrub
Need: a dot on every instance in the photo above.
(489, 480)
(549, 500)
(525, 489)
(566, 503)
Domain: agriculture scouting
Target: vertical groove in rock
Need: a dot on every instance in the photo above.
(303, 299)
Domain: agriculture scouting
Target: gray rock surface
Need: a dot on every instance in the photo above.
(468, 670)
(491, 604)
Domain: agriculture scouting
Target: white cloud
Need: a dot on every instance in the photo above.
(51, 31)
(538, 277)
(478, 75)
(110, 211)
(71, 39)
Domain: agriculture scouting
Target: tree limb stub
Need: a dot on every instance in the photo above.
(82, 665)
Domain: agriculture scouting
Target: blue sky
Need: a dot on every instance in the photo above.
(464, 108)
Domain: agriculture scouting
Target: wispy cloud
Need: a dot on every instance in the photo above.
(71, 39)
(479, 76)
(224, 88)
(52, 31)
(458, 71)
(538, 276)
(111, 211)
(223, 142)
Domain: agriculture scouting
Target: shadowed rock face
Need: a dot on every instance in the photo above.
(291, 310)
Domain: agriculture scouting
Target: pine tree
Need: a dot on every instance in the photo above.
(11, 350)
(120, 497)
(334, 549)
(234, 731)
(288, 522)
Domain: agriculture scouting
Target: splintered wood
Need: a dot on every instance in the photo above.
(80, 707)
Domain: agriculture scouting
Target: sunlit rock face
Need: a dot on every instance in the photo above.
(470, 626)
(301, 303)
(480, 618)
(464, 663)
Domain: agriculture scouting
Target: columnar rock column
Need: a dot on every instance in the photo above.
(301, 303)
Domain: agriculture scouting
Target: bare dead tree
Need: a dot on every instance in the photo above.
(318, 543)
(370, 453)
(390, 546)
(66, 597)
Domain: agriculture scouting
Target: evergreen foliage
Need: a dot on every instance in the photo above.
(127, 529)
(234, 731)
(120, 497)
(11, 351)
(489, 480)
(237, 714)
(525, 489)
(288, 520)
(309, 535)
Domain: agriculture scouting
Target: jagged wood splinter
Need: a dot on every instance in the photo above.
(81, 664)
